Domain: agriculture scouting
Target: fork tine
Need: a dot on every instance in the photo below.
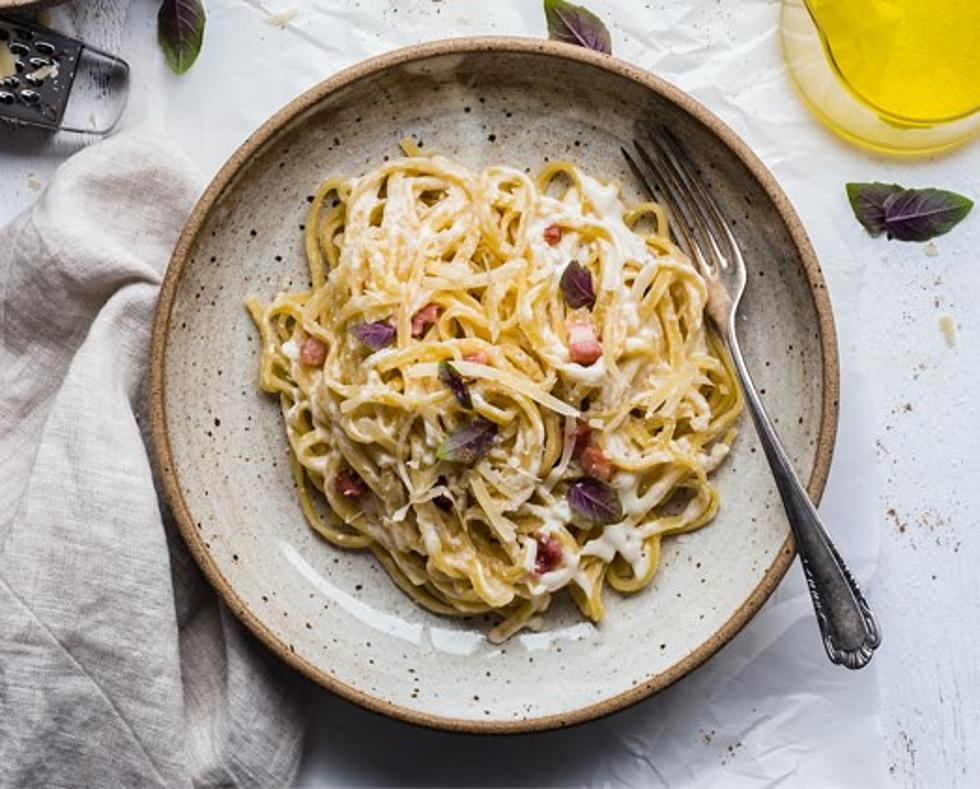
(638, 173)
(701, 222)
(699, 186)
(674, 206)
(648, 176)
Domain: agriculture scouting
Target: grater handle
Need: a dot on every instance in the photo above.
(110, 77)
(54, 82)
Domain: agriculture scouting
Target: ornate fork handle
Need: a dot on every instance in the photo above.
(850, 632)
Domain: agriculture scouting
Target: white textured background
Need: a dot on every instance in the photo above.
(904, 495)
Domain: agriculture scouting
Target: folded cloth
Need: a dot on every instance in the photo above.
(118, 665)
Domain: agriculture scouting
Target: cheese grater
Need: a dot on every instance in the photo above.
(52, 81)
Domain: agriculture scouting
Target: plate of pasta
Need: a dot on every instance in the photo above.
(436, 404)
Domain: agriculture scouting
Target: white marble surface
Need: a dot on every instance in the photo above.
(901, 478)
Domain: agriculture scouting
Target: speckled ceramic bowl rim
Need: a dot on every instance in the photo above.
(23, 5)
(273, 127)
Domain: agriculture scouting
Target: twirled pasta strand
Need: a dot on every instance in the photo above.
(425, 232)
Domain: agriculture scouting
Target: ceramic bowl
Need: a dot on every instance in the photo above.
(335, 615)
(23, 5)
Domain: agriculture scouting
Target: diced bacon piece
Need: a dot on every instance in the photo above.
(477, 357)
(552, 234)
(349, 484)
(583, 437)
(583, 345)
(549, 554)
(424, 318)
(595, 463)
(313, 353)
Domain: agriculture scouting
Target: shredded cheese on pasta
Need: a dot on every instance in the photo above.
(479, 253)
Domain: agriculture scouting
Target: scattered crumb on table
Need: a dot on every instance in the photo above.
(948, 327)
(283, 18)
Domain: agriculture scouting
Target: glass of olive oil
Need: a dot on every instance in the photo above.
(896, 75)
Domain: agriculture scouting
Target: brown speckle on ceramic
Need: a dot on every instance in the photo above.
(335, 615)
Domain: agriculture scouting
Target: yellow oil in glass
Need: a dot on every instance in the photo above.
(916, 61)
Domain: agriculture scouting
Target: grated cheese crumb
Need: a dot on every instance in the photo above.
(7, 62)
(46, 72)
(283, 18)
(932, 250)
(948, 327)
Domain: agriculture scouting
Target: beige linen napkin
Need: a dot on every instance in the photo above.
(118, 666)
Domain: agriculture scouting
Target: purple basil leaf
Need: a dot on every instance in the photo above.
(595, 501)
(921, 214)
(574, 24)
(868, 203)
(376, 335)
(468, 443)
(180, 32)
(455, 383)
(576, 286)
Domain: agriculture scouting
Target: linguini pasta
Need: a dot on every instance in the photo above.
(580, 414)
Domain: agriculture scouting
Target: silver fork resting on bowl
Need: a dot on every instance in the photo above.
(850, 632)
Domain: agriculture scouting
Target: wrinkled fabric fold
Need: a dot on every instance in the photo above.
(117, 663)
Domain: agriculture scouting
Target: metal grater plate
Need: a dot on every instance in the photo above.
(45, 64)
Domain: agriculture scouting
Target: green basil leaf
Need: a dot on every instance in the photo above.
(595, 501)
(921, 214)
(575, 24)
(468, 443)
(375, 335)
(868, 203)
(576, 286)
(455, 383)
(180, 32)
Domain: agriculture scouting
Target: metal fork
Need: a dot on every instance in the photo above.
(847, 625)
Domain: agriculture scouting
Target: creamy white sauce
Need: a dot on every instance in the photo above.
(591, 375)
(291, 349)
(398, 255)
(559, 577)
(553, 520)
(605, 201)
(600, 204)
(616, 538)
